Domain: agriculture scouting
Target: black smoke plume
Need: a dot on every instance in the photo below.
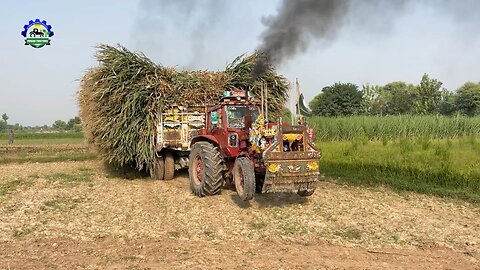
(195, 20)
(296, 23)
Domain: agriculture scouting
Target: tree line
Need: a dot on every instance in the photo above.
(395, 98)
(73, 124)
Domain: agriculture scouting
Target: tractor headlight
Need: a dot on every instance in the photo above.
(312, 166)
(273, 168)
(233, 140)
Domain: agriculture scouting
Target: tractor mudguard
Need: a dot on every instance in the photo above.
(208, 138)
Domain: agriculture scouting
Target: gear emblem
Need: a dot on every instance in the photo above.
(37, 33)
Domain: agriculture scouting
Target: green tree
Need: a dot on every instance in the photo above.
(447, 103)
(375, 100)
(17, 126)
(380, 104)
(338, 99)
(427, 96)
(3, 123)
(5, 117)
(73, 123)
(59, 125)
(398, 97)
(468, 98)
(370, 95)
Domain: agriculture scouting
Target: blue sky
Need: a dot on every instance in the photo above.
(38, 86)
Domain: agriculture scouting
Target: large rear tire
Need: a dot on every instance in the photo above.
(158, 170)
(244, 178)
(169, 166)
(205, 169)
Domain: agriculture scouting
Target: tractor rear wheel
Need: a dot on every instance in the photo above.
(244, 178)
(169, 165)
(158, 169)
(205, 169)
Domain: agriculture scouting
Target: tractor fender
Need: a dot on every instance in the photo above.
(208, 138)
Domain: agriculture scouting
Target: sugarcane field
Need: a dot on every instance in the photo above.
(209, 134)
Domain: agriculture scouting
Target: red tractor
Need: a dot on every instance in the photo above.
(237, 144)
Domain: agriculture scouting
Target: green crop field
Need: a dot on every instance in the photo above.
(394, 127)
(44, 147)
(426, 154)
(46, 156)
(30, 138)
(38, 135)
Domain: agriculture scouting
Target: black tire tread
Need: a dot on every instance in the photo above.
(169, 166)
(158, 170)
(248, 178)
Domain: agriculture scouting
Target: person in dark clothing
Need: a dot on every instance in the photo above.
(11, 137)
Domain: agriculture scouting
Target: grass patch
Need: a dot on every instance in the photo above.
(11, 186)
(34, 176)
(22, 232)
(46, 157)
(129, 258)
(278, 213)
(210, 233)
(174, 234)
(20, 136)
(182, 251)
(292, 227)
(258, 225)
(349, 234)
(447, 168)
(84, 175)
(60, 204)
(85, 170)
(320, 210)
(44, 141)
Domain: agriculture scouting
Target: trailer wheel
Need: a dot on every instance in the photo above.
(158, 170)
(244, 178)
(169, 166)
(205, 169)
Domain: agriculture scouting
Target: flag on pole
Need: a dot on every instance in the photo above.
(300, 108)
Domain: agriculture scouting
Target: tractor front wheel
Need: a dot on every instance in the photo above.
(244, 178)
(205, 169)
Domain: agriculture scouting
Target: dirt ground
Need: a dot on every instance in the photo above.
(10, 149)
(78, 215)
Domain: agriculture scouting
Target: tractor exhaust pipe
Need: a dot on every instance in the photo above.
(265, 88)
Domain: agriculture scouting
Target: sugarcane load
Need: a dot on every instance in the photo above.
(215, 123)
